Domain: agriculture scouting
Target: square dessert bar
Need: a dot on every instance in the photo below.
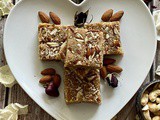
(82, 85)
(111, 31)
(52, 41)
(84, 48)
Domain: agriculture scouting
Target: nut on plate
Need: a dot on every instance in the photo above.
(107, 15)
(48, 71)
(57, 80)
(56, 20)
(45, 79)
(103, 72)
(108, 61)
(114, 68)
(117, 16)
(43, 17)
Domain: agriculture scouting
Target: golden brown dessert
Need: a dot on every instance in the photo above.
(82, 85)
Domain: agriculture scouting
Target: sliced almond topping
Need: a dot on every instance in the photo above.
(107, 36)
(107, 29)
(54, 31)
(54, 44)
(116, 31)
(78, 35)
(80, 40)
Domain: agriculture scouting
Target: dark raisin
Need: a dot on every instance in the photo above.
(80, 18)
(112, 80)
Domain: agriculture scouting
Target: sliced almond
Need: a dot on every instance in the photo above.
(117, 16)
(56, 20)
(107, 15)
(54, 44)
(43, 17)
(114, 68)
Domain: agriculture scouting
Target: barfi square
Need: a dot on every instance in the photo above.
(84, 48)
(52, 41)
(111, 32)
(82, 85)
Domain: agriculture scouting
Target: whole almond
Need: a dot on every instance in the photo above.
(43, 17)
(103, 72)
(107, 15)
(114, 68)
(56, 20)
(117, 16)
(45, 79)
(108, 61)
(48, 71)
(56, 80)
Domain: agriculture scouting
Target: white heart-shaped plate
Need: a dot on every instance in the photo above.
(138, 36)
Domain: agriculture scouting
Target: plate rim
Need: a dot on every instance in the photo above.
(57, 116)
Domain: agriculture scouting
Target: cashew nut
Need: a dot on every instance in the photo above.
(153, 107)
(146, 107)
(153, 95)
(144, 99)
(158, 100)
(156, 118)
(157, 86)
(147, 115)
(137, 117)
(157, 113)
